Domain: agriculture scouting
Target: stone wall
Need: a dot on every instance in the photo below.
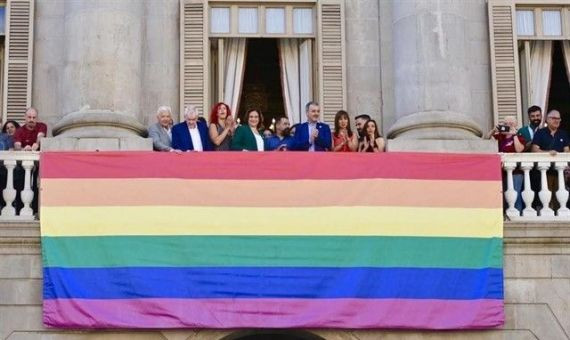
(537, 293)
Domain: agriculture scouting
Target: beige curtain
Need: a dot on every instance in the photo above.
(540, 70)
(296, 76)
(566, 50)
(234, 66)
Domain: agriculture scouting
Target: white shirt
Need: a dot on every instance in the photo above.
(259, 142)
(312, 127)
(168, 132)
(196, 140)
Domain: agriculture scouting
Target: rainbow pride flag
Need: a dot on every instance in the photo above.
(271, 240)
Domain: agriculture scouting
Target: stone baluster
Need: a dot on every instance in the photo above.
(527, 194)
(545, 195)
(562, 193)
(27, 194)
(510, 193)
(9, 193)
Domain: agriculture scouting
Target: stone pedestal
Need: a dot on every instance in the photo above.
(102, 71)
(431, 72)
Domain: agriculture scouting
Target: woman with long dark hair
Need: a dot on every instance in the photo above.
(343, 138)
(371, 140)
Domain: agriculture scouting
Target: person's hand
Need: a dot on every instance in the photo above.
(282, 147)
(179, 152)
(314, 135)
(552, 152)
(27, 148)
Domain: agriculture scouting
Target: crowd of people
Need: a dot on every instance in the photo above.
(224, 133)
(533, 137)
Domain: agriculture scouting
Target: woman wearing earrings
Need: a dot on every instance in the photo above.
(222, 127)
(247, 137)
(371, 141)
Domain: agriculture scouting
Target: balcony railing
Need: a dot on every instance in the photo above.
(537, 181)
(18, 175)
(530, 176)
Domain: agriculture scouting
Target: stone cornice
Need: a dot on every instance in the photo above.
(519, 238)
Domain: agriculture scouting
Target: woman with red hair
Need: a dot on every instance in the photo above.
(222, 127)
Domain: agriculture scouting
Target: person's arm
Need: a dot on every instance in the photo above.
(338, 146)
(519, 146)
(324, 139)
(176, 143)
(154, 133)
(492, 133)
(379, 147)
(237, 140)
(299, 143)
(353, 143)
(218, 138)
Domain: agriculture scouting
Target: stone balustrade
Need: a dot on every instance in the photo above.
(17, 176)
(534, 186)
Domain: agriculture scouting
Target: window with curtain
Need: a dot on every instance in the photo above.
(544, 51)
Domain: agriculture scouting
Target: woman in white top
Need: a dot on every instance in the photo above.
(247, 137)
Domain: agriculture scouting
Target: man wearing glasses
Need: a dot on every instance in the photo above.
(551, 139)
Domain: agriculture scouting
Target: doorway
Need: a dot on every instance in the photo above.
(261, 87)
(559, 95)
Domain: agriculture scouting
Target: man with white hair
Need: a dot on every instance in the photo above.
(191, 134)
(161, 132)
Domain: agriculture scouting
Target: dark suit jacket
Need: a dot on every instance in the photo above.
(181, 137)
(244, 139)
(301, 139)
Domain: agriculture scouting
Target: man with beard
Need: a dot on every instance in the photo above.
(280, 141)
(527, 131)
(360, 120)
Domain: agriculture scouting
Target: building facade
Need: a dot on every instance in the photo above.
(435, 74)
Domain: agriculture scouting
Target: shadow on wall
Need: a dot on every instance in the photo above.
(271, 335)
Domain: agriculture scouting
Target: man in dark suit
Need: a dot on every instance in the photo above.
(312, 135)
(191, 134)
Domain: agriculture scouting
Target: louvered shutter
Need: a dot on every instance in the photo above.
(17, 94)
(504, 59)
(332, 74)
(193, 55)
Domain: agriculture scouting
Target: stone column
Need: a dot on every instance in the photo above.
(363, 58)
(431, 71)
(102, 73)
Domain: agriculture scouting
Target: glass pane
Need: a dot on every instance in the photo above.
(220, 20)
(303, 20)
(551, 23)
(247, 21)
(275, 20)
(525, 22)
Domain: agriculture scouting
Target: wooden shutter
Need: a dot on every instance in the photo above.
(504, 59)
(193, 55)
(17, 94)
(332, 70)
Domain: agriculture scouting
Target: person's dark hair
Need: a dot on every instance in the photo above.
(341, 114)
(533, 108)
(308, 106)
(214, 113)
(8, 122)
(365, 127)
(363, 116)
(260, 124)
(279, 118)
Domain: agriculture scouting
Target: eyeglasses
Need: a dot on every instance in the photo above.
(555, 118)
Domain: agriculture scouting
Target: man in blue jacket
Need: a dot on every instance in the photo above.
(191, 134)
(312, 135)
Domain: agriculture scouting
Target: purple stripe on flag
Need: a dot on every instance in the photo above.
(274, 313)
